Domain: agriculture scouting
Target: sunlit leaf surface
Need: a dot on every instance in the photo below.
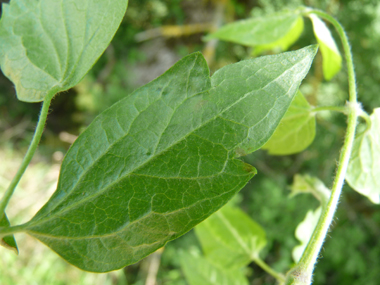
(48, 46)
(363, 172)
(332, 60)
(296, 130)
(264, 33)
(231, 238)
(199, 270)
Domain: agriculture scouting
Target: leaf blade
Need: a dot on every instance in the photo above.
(230, 238)
(8, 242)
(48, 46)
(283, 43)
(263, 32)
(199, 270)
(296, 130)
(132, 182)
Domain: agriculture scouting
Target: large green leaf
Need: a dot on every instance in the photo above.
(200, 271)
(296, 130)
(364, 169)
(47, 46)
(163, 159)
(8, 242)
(231, 238)
(332, 60)
(277, 30)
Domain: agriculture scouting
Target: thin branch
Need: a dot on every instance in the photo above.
(28, 156)
(301, 274)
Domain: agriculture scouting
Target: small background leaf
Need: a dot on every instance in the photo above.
(284, 42)
(303, 184)
(332, 60)
(48, 46)
(264, 33)
(231, 238)
(364, 169)
(296, 130)
(304, 232)
(199, 270)
(8, 242)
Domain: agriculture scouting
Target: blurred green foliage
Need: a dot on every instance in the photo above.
(350, 256)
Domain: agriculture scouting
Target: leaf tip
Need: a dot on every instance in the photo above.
(10, 244)
(249, 168)
(312, 49)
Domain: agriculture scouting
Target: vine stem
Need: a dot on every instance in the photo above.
(28, 156)
(301, 274)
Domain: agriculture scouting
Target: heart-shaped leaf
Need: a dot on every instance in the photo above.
(296, 130)
(47, 46)
(268, 32)
(231, 238)
(163, 159)
(332, 60)
(364, 169)
(8, 242)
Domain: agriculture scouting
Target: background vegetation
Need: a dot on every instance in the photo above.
(154, 35)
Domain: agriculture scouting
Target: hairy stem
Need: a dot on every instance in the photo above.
(28, 156)
(279, 277)
(301, 274)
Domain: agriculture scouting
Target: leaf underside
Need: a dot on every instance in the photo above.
(296, 130)
(163, 159)
(47, 46)
(364, 169)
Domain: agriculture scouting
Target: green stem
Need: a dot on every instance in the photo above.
(279, 277)
(28, 156)
(302, 272)
(345, 110)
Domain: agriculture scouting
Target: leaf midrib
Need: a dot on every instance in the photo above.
(120, 229)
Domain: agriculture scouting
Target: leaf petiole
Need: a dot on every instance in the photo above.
(28, 156)
(6, 231)
(278, 276)
(340, 109)
(346, 110)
